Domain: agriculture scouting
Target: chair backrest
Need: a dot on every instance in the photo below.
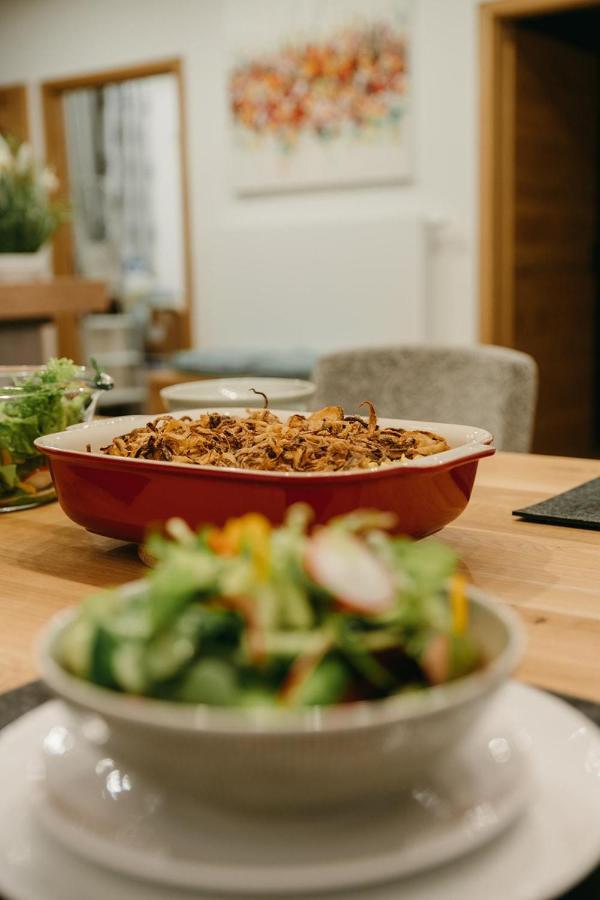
(490, 387)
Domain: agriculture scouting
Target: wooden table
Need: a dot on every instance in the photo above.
(550, 575)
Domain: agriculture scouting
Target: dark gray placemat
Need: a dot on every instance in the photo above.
(17, 702)
(577, 508)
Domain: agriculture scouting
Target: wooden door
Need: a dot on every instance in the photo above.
(13, 111)
(555, 232)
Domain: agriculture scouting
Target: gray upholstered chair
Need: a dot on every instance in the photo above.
(491, 387)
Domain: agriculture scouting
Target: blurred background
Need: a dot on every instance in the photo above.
(207, 187)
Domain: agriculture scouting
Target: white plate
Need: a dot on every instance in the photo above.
(554, 844)
(97, 808)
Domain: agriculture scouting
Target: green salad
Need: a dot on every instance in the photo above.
(252, 615)
(40, 402)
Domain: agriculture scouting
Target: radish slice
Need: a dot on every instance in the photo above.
(39, 479)
(435, 662)
(344, 566)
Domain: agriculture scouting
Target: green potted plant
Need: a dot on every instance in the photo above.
(29, 215)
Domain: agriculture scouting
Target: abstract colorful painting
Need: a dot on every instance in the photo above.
(319, 93)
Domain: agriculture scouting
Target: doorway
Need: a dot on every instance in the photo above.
(117, 141)
(540, 205)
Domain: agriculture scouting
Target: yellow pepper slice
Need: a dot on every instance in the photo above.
(253, 531)
(256, 534)
(458, 604)
(28, 488)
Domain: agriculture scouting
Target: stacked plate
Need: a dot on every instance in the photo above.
(512, 811)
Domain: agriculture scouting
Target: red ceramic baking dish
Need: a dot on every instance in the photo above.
(122, 497)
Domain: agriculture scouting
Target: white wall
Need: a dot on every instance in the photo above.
(42, 39)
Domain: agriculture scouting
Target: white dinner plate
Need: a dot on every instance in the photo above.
(553, 844)
(103, 811)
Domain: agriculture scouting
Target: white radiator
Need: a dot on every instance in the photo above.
(326, 285)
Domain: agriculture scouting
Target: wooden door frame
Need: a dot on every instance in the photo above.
(56, 154)
(497, 61)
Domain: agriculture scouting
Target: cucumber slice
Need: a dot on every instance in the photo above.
(132, 622)
(367, 666)
(464, 655)
(210, 681)
(128, 667)
(103, 647)
(256, 697)
(290, 644)
(74, 650)
(167, 654)
(327, 684)
(295, 605)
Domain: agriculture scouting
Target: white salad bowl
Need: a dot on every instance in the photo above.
(282, 760)
(223, 392)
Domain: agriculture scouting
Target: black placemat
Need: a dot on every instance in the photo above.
(17, 702)
(577, 508)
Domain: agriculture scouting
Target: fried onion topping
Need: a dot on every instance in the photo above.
(322, 441)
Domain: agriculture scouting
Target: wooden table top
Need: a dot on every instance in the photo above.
(549, 574)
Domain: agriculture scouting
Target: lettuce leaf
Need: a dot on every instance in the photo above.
(8, 476)
(39, 406)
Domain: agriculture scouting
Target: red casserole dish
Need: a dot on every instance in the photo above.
(122, 497)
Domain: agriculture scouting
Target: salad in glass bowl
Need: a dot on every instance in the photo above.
(255, 615)
(38, 400)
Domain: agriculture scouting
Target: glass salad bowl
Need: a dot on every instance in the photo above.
(37, 400)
